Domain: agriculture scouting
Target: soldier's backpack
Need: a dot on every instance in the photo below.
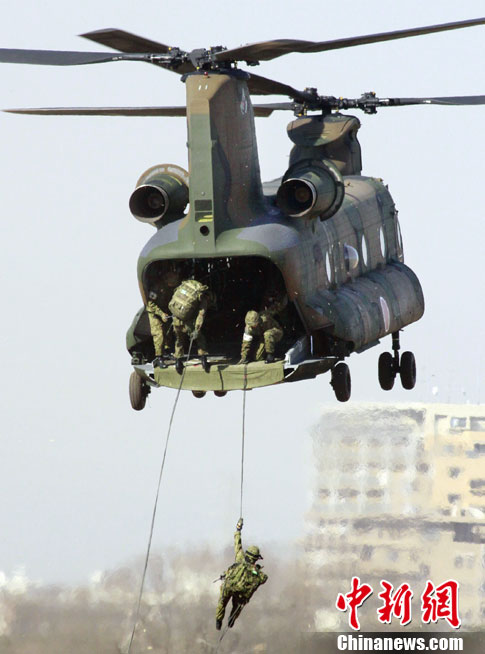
(186, 299)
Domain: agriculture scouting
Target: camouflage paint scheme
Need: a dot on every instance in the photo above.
(241, 581)
(345, 275)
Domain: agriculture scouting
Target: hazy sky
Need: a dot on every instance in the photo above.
(78, 466)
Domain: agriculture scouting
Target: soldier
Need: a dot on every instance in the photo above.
(189, 305)
(241, 580)
(158, 313)
(262, 331)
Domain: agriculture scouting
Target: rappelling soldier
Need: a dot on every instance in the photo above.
(262, 331)
(241, 580)
(158, 313)
(189, 305)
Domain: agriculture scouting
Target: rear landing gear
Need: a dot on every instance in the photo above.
(391, 364)
(139, 391)
(341, 382)
(407, 370)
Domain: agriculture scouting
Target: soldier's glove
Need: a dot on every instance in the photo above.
(239, 525)
(165, 317)
(195, 334)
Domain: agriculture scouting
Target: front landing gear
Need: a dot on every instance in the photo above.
(391, 364)
(341, 382)
(139, 391)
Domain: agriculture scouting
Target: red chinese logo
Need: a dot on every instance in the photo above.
(396, 603)
(441, 603)
(437, 602)
(353, 600)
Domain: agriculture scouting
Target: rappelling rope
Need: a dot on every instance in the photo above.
(137, 614)
(243, 435)
(242, 473)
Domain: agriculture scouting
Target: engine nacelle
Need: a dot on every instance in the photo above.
(310, 189)
(161, 192)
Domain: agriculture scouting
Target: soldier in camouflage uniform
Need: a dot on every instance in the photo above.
(241, 580)
(189, 305)
(158, 313)
(262, 332)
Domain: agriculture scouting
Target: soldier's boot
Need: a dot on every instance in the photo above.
(218, 625)
(270, 358)
(243, 360)
(179, 365)
(205, 363)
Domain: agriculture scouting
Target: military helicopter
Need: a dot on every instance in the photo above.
(322, 235)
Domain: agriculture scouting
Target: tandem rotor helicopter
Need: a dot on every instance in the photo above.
(324, 235)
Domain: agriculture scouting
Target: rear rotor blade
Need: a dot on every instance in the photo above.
(266, 50)
(65, 57)
(128, 42)
(125, 41)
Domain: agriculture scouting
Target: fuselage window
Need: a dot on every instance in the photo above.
(399, 239)
(351, 257)
(383, 242)
(365, 254)
(328, 268)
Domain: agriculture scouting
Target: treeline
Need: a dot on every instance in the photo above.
(177, 612)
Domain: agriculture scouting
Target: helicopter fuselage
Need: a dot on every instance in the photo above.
(344, 274)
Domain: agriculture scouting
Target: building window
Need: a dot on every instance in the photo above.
(345, 493)
(458, 562)
(477, 424)
(479, 448)
(453, 498)
(454, 472)
(477, 483)
(375, 492)
(458, 423)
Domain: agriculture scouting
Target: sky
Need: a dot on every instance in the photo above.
(78, 467)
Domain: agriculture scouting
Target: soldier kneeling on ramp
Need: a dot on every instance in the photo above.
(188, 306)
(241, 580)
(262, 332)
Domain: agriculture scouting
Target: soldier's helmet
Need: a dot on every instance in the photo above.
(253, 554)
(171, 278)
(252, 318)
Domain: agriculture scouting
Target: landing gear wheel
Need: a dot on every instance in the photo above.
(407, 370)
(340, 382)
(386, 373)
(220, 393)
(198, 394)
(138, 391)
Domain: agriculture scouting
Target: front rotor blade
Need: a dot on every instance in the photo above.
(101, 111)
(266, 50)
(447, 100)
(259, 110)
(274, 106)
(258, 85)
(65, 57)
